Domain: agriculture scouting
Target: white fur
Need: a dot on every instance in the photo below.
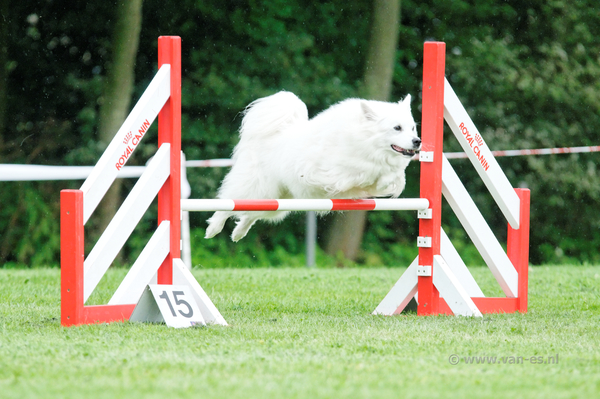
(344, 152)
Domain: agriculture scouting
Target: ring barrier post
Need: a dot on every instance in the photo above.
(438, 278)
(160, 259)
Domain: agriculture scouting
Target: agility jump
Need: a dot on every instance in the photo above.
(160, 258)
(438, 275)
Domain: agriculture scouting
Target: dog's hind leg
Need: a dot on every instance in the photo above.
(216, 223)
(243, 226)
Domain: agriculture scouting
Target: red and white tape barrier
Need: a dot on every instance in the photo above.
(539, 151)
(210, 163)
(14, 172)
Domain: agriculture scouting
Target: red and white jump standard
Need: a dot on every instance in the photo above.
(161, 256)
(438, 278)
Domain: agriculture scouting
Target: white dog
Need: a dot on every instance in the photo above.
(354, 149)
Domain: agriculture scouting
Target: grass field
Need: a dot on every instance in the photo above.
(305, 333)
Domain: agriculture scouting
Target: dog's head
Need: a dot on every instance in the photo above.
(393, 125)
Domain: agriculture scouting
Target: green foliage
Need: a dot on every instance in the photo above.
(32, 219)
(265, 247)
(538, 86)
(528, 73)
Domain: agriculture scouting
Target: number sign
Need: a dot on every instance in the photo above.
(173, 304)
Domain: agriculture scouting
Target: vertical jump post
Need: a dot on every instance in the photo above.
(432, 127)
(169, 131)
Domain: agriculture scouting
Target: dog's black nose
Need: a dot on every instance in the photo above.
(416, 142)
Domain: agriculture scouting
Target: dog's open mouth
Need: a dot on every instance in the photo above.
(403, 151)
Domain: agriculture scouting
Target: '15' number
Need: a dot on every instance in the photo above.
(178, 301)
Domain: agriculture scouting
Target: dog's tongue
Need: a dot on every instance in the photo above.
(396, 148)
(403, 151)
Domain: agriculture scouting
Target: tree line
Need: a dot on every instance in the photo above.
(527, 72)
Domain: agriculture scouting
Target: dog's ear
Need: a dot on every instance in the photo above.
(368, 111)
(406, 101)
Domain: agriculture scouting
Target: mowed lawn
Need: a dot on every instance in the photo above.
(306, 333)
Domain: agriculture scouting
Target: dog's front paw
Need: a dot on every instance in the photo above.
(212, 231)
(215, 224)
(240, 232)
(236, 236)
(242, 227)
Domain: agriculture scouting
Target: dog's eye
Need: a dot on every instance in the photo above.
(398, 128)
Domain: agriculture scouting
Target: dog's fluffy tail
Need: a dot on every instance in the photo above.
(269, 115)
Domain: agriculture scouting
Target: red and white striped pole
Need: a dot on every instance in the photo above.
(319, 205)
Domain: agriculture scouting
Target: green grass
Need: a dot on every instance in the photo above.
(303, 333)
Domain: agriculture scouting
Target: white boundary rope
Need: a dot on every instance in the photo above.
(43, 172)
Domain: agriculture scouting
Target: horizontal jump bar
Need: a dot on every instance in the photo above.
(386, 204)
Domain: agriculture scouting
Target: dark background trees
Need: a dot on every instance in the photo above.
(528, 73)
(117, 89)
(346, 231)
